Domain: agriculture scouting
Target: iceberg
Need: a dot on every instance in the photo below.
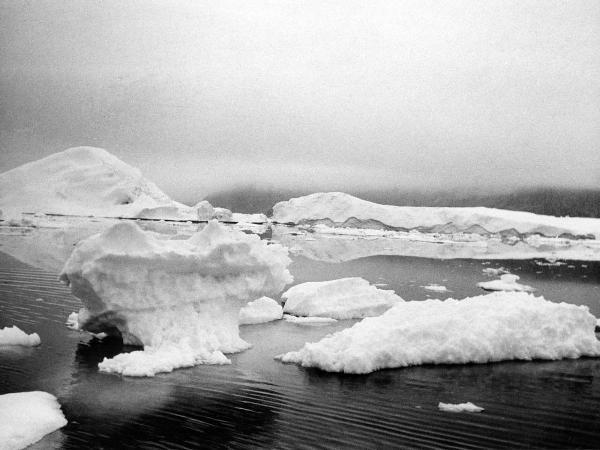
(336, 209)
(487, 328)
(15, 336)
(459, 407)
(262, 310)
(26, 417)
(507, 282)
(346, 298)
(179, 298)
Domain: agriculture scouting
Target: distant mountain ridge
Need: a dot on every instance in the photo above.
(550, 201)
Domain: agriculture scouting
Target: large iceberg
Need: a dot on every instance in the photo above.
(26, 417)
(89, 181)
(342, 210)
(493, 327)
(179, 298)
(345, 298)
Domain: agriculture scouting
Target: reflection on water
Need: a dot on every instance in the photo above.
(259, 402)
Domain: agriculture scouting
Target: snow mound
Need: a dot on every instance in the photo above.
(262, 310)
(80, 181)
(15, 336)
(459, 407)
(308, 320)
(179, 298)
(342, 210)
(435, 288)
(346, 298)
(494, 327)
(26, 417)
(507, 282)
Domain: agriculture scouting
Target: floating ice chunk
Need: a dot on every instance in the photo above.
(73, 321)
(459, 407)
(346, 298)
(15, 336)
(507, 282)
(26, 417)
(308, 320)
(494, 272)
(178, 298)
(339, 209)
(435, 288)
(494, 327)
(262, 310)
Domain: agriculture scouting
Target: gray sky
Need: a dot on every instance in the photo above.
(308, 94)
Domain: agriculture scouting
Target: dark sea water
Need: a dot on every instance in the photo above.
(257, 402)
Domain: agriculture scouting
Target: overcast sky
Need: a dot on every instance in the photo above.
(308, 94)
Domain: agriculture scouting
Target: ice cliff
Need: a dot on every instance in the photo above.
(179, 298)
(342, 210)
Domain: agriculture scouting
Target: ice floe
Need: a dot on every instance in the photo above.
(179, 298)
(507, 282)
(346, 298)
(310, 320)
(15, 336)
(493, 327)
(459, 407)
(343, 210)
(261, 310)
(494, 272)
(26, 417)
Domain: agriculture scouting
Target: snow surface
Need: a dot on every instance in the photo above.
(493, 327)
(26, 417)
(339, 209)
(459, 407)
(15, 336)
(435, 288)
(346, 298)
(179, 298)
(507, 282)
(262, 310)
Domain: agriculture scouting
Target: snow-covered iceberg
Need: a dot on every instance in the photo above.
(89, 181)
(15, 336)
(507, 282)
(342, 210)
(179, 298)
(261, 310)
(494, 327)
(26, 417)
(346, 298)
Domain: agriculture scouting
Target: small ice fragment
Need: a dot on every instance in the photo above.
(435, 288)
(26, 417)
(15, 336)
(73, 321)
(507, 282)
(459, 407)
(262, 310)
(491, 271)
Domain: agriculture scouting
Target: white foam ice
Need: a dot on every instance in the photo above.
(487, 328)
(26, 417)
(345, 298)
(507, 282)
(179, 298)
(15, 336)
